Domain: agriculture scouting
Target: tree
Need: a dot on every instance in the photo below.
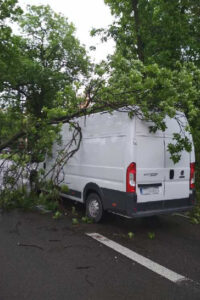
(50, 58)
(9, 11)
(41, 63)
(157, 31)
(165, 33)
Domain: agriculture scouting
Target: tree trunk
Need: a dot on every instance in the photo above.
(140, 45)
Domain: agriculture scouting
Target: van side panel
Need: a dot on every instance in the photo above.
(106, 151)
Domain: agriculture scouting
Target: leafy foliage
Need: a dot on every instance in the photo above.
(131, 235)
(151, 235)
(165, 33)
(157, 31)
(38, 66)
(75, 221)
(57, 215)
(50, 58)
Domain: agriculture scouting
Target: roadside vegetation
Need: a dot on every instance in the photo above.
(47, 79)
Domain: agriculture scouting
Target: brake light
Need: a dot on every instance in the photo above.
(192, 175)
(131, 178)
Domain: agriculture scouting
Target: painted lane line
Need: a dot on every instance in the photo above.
(146, 262)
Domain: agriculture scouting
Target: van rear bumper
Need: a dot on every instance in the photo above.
(163, 207)
(126, 204)
(155, 212)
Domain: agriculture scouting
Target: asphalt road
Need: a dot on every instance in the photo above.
(42, 258)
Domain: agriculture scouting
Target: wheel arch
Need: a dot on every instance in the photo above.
(92, 188)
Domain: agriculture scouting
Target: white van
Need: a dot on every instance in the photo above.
(123, 168)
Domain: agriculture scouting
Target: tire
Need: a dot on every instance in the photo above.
(94, 208)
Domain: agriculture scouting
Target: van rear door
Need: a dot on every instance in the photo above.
(150, 161)
(176, 175)
(158, 178)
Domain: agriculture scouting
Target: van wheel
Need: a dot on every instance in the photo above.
(94, 208)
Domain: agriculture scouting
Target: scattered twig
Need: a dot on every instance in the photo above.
(88, 281)
(84, 267)
(181, 215)
(29, 245)
(74, 246)
(54, 240)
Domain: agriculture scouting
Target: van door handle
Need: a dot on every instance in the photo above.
(171, 174)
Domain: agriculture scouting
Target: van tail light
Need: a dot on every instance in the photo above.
(131, 178)
(192, 176)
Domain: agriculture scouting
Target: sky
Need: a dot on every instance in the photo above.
(85, 15)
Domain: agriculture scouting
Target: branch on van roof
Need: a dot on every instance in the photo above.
(99, 106)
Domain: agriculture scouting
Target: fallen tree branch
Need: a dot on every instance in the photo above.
(12, 140)
(86, 110)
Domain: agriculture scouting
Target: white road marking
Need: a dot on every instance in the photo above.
(146, 262)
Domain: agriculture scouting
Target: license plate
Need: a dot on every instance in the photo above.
(149, 190)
